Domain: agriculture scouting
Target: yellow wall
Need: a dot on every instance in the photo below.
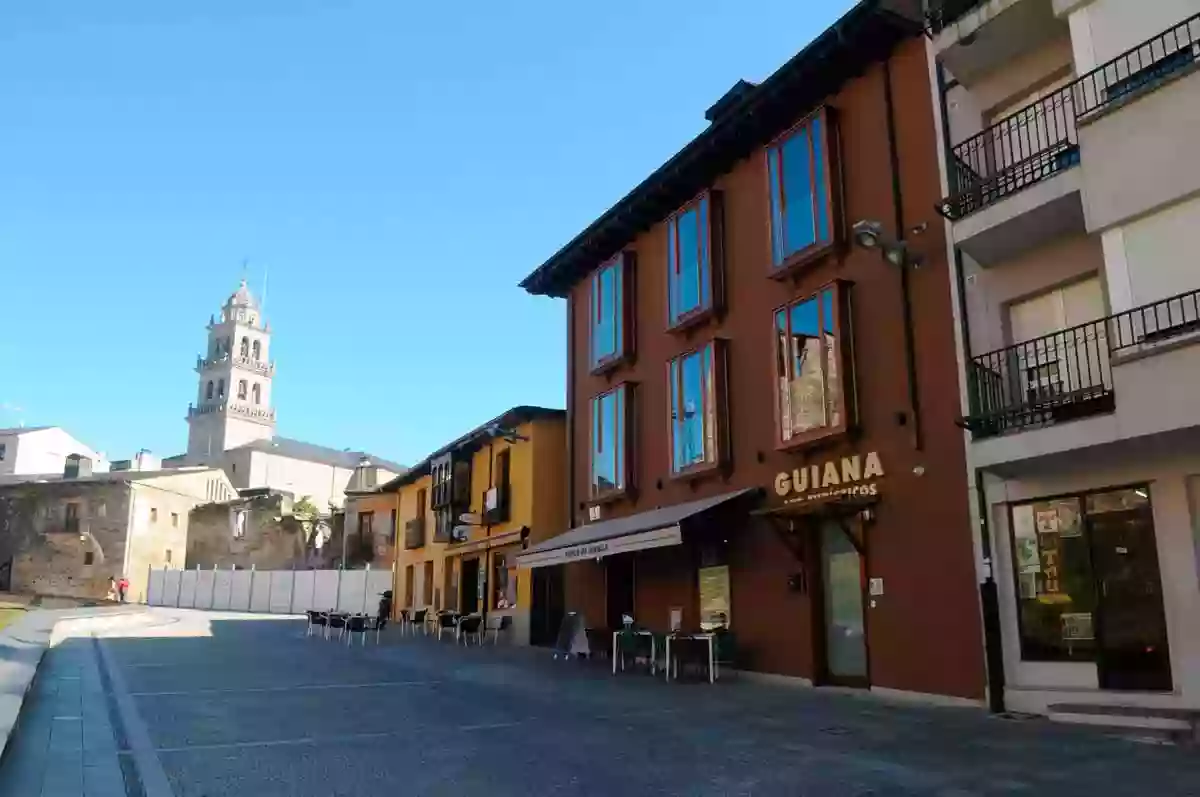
(537, 475)
(382, 505)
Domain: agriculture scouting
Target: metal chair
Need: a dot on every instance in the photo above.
(496, 624)
(447, 622)
(418, 621)
(356, 624)
(335, 622)
(315, 620)
(468, 627)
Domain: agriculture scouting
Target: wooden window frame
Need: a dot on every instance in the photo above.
(844, 351)
(712, 235)
(830, 182)
(624, 464)
(720, 413)
(623, 317)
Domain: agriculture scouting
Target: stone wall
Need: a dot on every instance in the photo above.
(270, 537)
(50, 555)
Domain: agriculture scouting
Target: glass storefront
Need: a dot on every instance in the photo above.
(1088, 588)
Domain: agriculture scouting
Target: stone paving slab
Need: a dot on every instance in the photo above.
(230, 705)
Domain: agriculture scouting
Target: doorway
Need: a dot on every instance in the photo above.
(843, 621)
(469, 583)
(546, 613)
(1131, 633)
(618, 587)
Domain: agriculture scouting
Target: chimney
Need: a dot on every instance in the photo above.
(364, 476)
(729, 100)
(77, 467)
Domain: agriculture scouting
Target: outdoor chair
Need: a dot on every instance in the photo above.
(315, 620)
(418, 621)
(356, 624)
(377, 624)
(335, 622)
(724, 650)
(468, 627)
(495, 625)
(446, 623)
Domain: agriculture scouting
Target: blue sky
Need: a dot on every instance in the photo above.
(397, 166)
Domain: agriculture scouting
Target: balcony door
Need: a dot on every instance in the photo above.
(1056, 358)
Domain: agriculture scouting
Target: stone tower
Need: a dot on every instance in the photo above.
(233, 399)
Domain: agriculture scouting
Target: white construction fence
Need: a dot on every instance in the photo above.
(269, 591)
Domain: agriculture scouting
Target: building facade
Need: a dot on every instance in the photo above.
(69, 536)
(1070, 205)
(761, 413)
(467, 510)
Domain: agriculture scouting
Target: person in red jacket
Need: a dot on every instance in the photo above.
(122, 589)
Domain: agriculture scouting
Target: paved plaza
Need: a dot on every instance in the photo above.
(205, 705)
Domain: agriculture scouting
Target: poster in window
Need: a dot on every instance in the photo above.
(1047, 520)
(1029, 585)
(1025, 542)
(1077, 626)
(714, 597)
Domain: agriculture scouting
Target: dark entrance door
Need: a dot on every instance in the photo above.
(1131, 629)
(843, 620)
(546, 613)
(469, 584)
(618, 580)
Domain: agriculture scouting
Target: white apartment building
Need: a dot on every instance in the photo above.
(1072, 198)
(41, 450)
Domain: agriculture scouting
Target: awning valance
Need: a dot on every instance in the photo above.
(656, 528)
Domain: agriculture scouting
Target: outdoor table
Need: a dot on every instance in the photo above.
(707, 638)
(617, 649)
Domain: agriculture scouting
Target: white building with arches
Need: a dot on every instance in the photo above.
(231, 422)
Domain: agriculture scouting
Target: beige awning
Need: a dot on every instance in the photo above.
(657, 528)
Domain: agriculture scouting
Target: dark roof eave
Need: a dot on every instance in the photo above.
(864, 35)
(511, 417)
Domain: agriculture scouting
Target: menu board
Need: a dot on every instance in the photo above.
(714, 597)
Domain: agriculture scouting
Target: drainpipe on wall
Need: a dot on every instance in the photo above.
(570, 411)
(910, 356)
(989, 596)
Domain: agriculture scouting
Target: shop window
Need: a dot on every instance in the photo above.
(1063, 556)
(696, 412)
(609, 437)
(691, 242)
(798, 169)
(811, 350)
(609, 312)
(504, 577)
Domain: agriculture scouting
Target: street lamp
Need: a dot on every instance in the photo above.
(869, 234)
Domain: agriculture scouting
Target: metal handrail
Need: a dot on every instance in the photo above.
(1041, 139)
(1068, 373)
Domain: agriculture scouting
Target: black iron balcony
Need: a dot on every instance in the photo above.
(1068, 374)
(414, 533)
(940, 14)
(1031, 145)
(1040, 140)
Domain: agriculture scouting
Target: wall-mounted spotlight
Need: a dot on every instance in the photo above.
(870, 235)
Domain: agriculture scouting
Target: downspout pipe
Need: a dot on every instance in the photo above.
(570, 411)
(910, 356)
(989, 595)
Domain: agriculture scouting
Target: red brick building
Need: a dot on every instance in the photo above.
(761, 412)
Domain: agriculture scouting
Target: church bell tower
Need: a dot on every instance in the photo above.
(233, 399)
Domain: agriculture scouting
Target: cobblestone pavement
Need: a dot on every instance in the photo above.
(207, 705)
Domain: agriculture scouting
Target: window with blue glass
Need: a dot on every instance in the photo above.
(694, 411)
(608, 434)
(798, 170)
(608, 312)
(689, 261)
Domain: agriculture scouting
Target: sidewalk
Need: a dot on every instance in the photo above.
(65, 745)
